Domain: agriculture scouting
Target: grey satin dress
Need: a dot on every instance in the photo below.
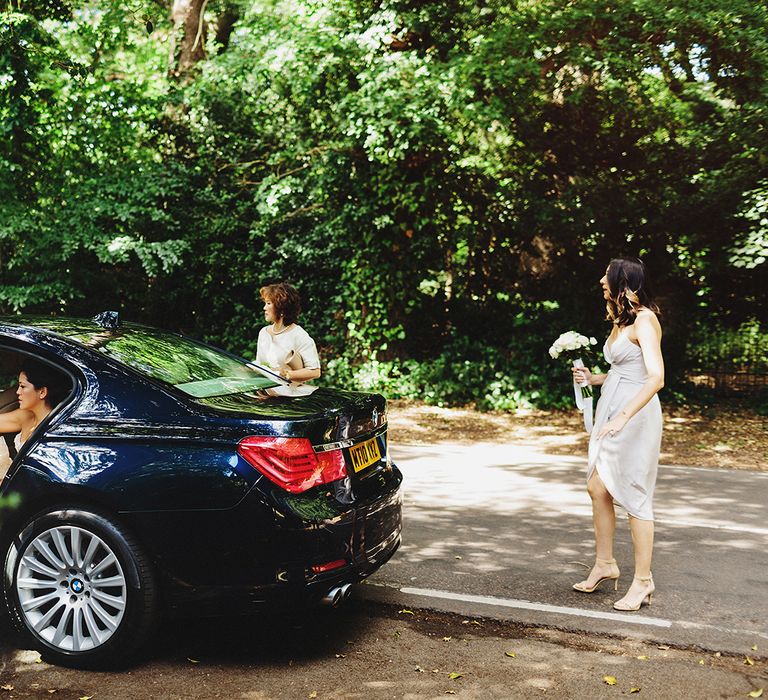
(627, 462)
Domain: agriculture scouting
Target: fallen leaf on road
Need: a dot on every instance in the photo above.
(748, 661)
(634, 690)
(406, 612)
(435, 670)
(193, 661)
(510, 654)
(7, 686)
(313, 694)
(453, 676)
(446, 639)
(642, 658)
(396, 633)
(718, 654)
(663, 647)
(756, 693)
(85, 697)
(419, 669)
(754, 647)
(701, 662)
(610, 680)
(51, 691)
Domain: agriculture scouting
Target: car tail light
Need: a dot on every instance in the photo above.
(291, 462)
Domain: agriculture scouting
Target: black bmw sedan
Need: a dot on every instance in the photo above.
(166, 481)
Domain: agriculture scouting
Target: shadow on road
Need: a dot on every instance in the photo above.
(280, 639)
(268, 639)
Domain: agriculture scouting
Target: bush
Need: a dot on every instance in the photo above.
(487, 377)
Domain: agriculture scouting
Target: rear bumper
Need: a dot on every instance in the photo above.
(274, 597)
(259, 556)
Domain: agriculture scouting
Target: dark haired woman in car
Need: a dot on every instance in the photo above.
(284, 345)
(625, 442)
(38, 392)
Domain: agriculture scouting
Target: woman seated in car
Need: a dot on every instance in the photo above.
(40, 389)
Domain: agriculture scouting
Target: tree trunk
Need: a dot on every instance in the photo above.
(225, 24)
(188, 39)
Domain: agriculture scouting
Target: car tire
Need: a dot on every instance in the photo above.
(81, 589)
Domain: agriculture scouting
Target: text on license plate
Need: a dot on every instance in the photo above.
(365, 454)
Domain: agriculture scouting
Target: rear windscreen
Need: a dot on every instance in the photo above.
(198, 370)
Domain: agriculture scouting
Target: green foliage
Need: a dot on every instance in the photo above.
(729, 349)
(466, 372)
(751, 251)
(444, 181)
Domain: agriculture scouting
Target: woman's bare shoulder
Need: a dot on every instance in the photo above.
(647, 319)
(645, 313)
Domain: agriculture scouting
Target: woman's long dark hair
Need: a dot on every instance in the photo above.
(629, 290)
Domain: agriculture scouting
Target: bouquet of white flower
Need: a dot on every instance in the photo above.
(572, 346)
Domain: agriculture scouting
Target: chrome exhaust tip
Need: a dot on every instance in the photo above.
(346, 591)
(333, 597)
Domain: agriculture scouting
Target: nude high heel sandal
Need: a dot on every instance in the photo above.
(614, 576)
(628, 604)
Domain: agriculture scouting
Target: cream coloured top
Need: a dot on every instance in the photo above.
(276, 351)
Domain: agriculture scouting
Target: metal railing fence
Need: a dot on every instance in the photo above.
(729, 360)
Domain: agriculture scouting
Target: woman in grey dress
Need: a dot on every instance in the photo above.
(626, 439)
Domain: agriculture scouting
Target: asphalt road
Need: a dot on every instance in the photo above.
(502, 531)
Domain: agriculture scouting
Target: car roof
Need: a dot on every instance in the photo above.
(86, 332)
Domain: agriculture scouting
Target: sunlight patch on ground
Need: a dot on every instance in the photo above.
(720, 447)
(522, 480)
(24, 659)
(517, 479)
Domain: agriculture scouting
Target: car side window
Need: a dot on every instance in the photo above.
(12, 363)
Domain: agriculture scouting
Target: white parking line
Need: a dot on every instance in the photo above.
(541, 607)
(578, 612)
(730, 527)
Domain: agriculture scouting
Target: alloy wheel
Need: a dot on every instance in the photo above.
(71, 588)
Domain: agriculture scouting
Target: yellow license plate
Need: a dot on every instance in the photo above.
(365, 454)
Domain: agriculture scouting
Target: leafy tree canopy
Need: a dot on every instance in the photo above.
(444, 179)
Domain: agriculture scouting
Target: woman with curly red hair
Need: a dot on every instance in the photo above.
(284, 345)
(626, 439)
